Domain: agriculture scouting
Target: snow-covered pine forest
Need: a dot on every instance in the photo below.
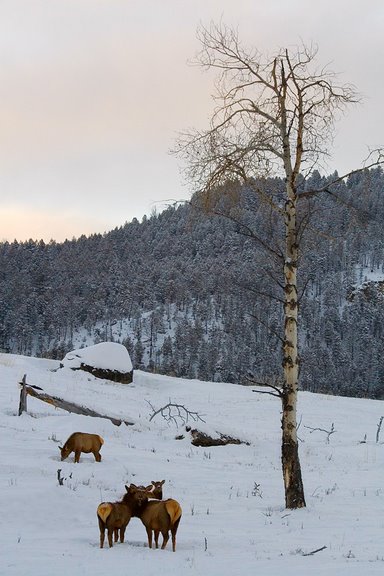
(191, 296)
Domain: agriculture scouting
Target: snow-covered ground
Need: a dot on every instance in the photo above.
(234, 521)
(369, 274)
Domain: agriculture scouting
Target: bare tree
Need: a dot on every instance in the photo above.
(273, 117)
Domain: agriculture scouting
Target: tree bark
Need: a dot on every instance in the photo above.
(23, 396)
(293, 483)
(294, 490)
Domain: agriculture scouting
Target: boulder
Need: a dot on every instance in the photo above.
(106, 360)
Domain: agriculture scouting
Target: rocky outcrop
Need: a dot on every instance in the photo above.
(106, 360)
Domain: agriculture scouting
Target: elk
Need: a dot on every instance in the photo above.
(154, 490)
(79, 442)
(159, 516)
(115, 516)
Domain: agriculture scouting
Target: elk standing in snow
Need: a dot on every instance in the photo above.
(154, 490)
(115, 516)
(79, 442)
(159, 516)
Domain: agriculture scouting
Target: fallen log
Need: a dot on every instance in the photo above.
(202, 439)
(27, 389)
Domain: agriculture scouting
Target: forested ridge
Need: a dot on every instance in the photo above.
(196, 296)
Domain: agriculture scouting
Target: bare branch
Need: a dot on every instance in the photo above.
(327, 432)
(303, 290)
(267, 326)
(244, 229)
(260, 292)
(315, 551)
(277, 391)
(268, 393)
(173, 413)
(326, 188)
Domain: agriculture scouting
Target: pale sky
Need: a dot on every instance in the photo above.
(94, 92)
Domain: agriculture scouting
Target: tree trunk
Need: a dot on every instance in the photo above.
(294, 490)
(293, 483)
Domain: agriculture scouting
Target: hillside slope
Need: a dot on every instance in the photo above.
(194, 296)
(234, 521)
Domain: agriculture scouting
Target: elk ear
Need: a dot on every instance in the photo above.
(148, 488)
(60, 447)
(162, 482)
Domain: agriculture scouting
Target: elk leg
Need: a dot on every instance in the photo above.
(77, 455)
(149, 534)
(110, 534)
(102, 531)
(173, 541)
(173, 532)
(165, 539)
(102, 536)
(97, 456)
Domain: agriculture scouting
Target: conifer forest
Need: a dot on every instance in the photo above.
(193, 295)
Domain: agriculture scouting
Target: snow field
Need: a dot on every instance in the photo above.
(234, 521)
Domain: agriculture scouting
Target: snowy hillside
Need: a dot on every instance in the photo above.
(234, 521)
(190, 296)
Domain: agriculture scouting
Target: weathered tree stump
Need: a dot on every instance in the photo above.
(23, 396)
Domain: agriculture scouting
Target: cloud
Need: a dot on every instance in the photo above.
(93, 92)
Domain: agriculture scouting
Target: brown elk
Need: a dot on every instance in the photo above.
(154, 490)
(79, 442)
(159, 516)
(115, 516)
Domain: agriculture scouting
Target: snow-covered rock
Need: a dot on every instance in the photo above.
(107, 360)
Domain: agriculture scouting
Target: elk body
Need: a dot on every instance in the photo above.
(160, 516)
(115, 516)
(154, 490)
(79, 442)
